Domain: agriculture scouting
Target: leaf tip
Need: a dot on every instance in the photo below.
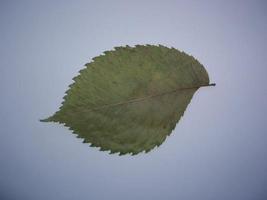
(49, 119)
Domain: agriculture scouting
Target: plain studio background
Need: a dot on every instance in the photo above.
(217, 151)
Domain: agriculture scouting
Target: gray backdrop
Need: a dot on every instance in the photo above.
(217, 151)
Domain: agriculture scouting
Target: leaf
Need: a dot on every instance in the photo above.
(129, 99)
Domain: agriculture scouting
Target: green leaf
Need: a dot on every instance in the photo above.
(129, 99)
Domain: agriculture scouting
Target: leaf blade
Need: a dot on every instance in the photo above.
(163, 81)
